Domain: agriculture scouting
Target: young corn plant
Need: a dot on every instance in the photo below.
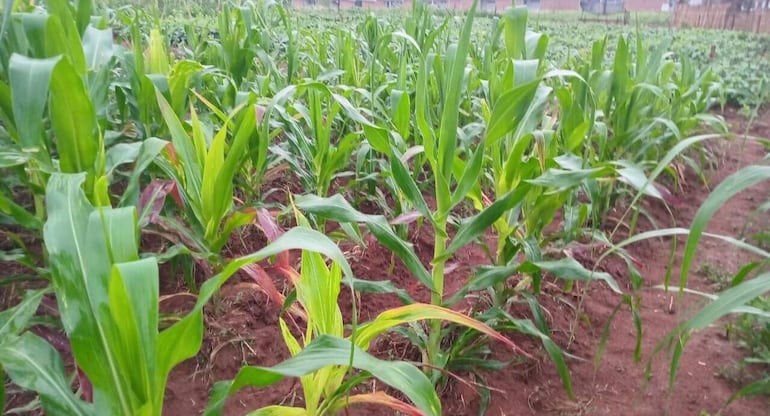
(324, 358)
(204, 169)
(108, 303)
(648, 103)
(319, 153)
(526, 156)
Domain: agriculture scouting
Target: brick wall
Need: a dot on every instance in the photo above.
(644, 5)
(499, 5)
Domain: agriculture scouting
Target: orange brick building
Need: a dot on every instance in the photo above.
(496, 5)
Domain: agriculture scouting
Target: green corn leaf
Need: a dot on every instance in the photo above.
(244, 135)
(133, 302)
(97, 47)
(148, 151)
(187, 154)
(84, 8)
(56, 42)
(489, 276)
(29, 80)
(7, 9)
(670, 232)
(19, 214)
(666, 160)
(476, 225)
(525, 71)
(32, 28)
(406, 184)
(563, 179)
(327, 351)
(515, 28)
(73, 120)
(70, 42)
(554, 352)
(120, 154)
(318, 290)
(35, 365)
(728, 188)
(759, 387)
(620, 74)
(569, 269)
(235, 220)
(736, 310)
(337, 209)
(447, 141)
(288, 338)
(635, 176)
(6, 114)
(211, 213)
(183, 340)
(470, 177)
(422, 112)
(80, 264)
(14, 320)
(401, 111)
(377, 138)
(508, 109)
(179, 81)
(725, 304)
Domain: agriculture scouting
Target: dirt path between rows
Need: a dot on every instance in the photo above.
(617, 387)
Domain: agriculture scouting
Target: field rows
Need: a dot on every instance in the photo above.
(132, 144)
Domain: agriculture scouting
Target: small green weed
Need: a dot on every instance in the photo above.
(715, 275)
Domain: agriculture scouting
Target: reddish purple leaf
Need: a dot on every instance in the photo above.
(151, 200)
(272, 231)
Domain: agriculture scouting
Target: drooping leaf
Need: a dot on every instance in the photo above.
(337, 209)
(569, 269)
(728, 188)
(377, 398)
(727, 302)
(14, 320)
(330, 351)
(35, 365)
(418, 312)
